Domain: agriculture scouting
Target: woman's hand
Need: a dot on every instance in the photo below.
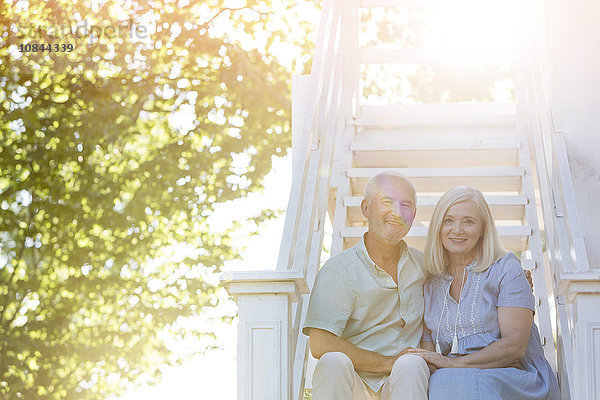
(435, 359)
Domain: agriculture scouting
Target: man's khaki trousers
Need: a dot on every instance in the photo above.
(335, 379)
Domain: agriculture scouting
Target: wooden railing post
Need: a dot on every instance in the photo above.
(583, 300)
(264, 359)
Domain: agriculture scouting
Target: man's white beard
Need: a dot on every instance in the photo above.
(379, 228)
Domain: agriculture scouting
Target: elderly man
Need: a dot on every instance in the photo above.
(366, 307)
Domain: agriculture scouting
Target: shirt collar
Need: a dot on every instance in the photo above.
(469, 268)
(363, 254)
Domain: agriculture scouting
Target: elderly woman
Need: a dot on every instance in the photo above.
(480, 337)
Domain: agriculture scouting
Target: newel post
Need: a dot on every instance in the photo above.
(583, 298)
(264, 360)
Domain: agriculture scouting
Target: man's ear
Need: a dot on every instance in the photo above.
(364, 208)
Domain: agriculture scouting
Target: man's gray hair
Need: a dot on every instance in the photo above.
(375, 181)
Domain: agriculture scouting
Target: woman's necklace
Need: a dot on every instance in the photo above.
(454, 348)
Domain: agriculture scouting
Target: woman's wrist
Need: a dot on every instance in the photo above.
(457, 362)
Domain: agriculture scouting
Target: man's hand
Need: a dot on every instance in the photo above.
(392, 359)
(322, 342)
(529, 278)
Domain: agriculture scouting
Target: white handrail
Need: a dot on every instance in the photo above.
(320, 78)
(565, 245)
(303, 231)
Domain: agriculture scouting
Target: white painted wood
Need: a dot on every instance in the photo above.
(264, 330)
(439, 172)
(540, 275)
(264, 282)
(579, 359)
(342, 216)
(404, 143)
(498, 179)
(587, 343)
(441, 109)
(301, 136)
(455, 136)
(564, 346)
(513, 238)
(502, 207)
(312, 263)
(570, 205)
(263, 343)
(441, 121)
(435, 158)
(300, 106)
(527, 263)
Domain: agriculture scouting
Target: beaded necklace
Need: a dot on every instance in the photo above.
(454, 348)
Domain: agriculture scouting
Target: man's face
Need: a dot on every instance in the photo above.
(392, 210)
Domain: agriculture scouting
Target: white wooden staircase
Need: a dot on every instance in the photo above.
(507, 150)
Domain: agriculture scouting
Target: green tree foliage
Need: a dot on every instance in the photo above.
(111, 156)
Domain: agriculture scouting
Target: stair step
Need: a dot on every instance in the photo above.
(494, 120)
(438, 109)
(514, 238)
(428, 56)
(380, 157)
(400, 143)
(502, 207)
(436, 138)
(486, 179)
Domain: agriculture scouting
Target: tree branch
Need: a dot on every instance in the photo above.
(8, 191)
(16, 267)
(231, 9)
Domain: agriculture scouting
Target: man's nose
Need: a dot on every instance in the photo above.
(396, 208)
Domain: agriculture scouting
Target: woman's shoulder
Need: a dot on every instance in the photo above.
(506, 264)
(507, 271)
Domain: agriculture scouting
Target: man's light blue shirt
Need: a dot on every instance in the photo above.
(358, 301)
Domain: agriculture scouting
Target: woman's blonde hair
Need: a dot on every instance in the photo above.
(489, 248)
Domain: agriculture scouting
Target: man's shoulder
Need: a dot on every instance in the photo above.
(416, 256)
(415, 253)
(343, 259)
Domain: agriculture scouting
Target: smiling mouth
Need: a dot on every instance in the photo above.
(456, 240)
(395, 222)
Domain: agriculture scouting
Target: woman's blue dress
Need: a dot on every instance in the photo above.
(503, 284)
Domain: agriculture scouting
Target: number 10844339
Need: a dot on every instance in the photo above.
(49, 47)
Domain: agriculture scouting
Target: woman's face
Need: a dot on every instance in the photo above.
(461, 229)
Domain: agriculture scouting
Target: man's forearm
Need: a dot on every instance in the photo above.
(322, 342)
